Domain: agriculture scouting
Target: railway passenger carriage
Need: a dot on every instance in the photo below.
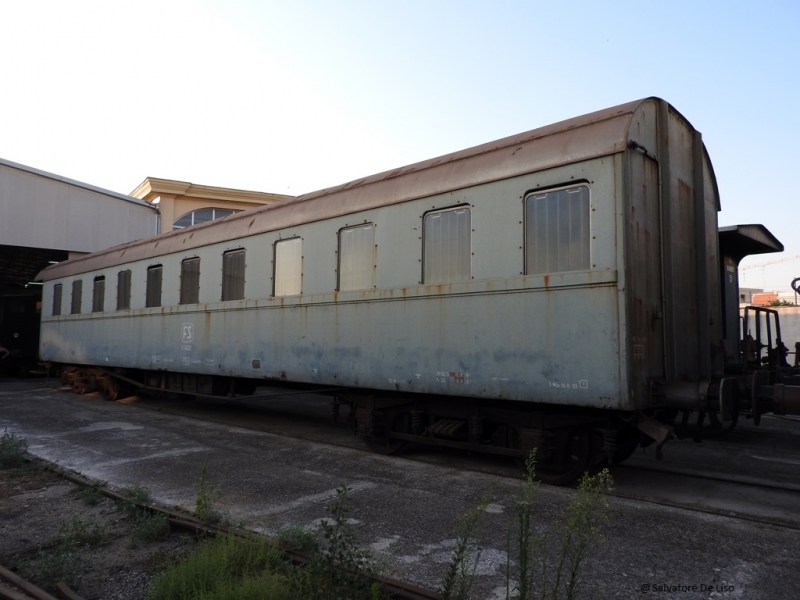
(551, 290)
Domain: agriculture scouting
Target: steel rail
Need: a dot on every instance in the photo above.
(718, 512)
(739, 480)
(8, 594)
(708, 511)
(399, 590)
(30, 590)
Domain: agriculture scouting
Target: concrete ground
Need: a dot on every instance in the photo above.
(403, 509)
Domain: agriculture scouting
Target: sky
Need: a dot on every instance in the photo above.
(294, 96)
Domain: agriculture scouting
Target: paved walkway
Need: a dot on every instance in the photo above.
(403, 509)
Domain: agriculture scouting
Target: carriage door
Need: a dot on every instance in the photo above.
(644, 268)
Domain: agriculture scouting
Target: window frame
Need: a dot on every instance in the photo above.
(231, 281)
(150, 287)
(190, 277)
(99, 293)
(276, 266)
(586, 259)
(58, 293)
(76, 300)
(124, 289)
(214, 216)
(426, 261)
(372, 259)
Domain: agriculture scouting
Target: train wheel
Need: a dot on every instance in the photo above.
(625, 452)
(570, 457)
(400, 423)
(626, 442)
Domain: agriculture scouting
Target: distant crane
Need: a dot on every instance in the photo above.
(770, 262)
(775, 262)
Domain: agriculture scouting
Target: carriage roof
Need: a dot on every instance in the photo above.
(581, 138)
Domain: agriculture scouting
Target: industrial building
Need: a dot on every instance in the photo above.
(46, 218)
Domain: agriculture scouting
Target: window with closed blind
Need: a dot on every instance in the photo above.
(99, 294)
(123, 290)
(57, 292)
(557, 230)
(357, 258)
(77, 293)
(288, 267)
(153, 293)
(190, 281)
(447, 247)
(233, 266)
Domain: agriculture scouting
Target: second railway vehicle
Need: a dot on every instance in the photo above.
(565, 289)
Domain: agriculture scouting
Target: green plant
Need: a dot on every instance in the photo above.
(580, 530)
(62, 562)
(91, 494)
(76, 531)
(341, 569)
(460, 571)
(292, 537)
(776, 303)
(133, 497)
(529, 548)
(149, 527)
(226, 568)
(205, 504)
(12, 450)
(577, 534)
(69, 557)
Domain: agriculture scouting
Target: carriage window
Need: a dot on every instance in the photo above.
(57, 299)
(123, 290)
(357, 258)
(98, 294)
(233, 275)
(557, 230)
(446, 244)
(190, 281)
(77, 289)
(153, 294)
(289, 267)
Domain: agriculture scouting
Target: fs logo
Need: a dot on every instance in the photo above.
(187, 332)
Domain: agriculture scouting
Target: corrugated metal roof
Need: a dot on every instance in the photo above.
(589, 136)
(75, 183)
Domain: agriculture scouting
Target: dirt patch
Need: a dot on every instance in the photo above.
(51, 530)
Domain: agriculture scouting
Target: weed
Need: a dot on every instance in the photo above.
(63, 562)
(12, 450)
(91, 494)
(149, 527)
(292, 537)
(580, 530)
(341, 569)
(460, 571)
(68, 559)
(226, 568)
(577, 534)
(133, 498)
(75, 531)
(206, 500)
(529, 548)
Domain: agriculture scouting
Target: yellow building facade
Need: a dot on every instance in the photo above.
(182, 204)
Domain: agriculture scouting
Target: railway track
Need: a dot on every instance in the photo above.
(408, 503)
(394, 589)
(259, 417)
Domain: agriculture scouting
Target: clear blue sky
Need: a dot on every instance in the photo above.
(294, 96)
